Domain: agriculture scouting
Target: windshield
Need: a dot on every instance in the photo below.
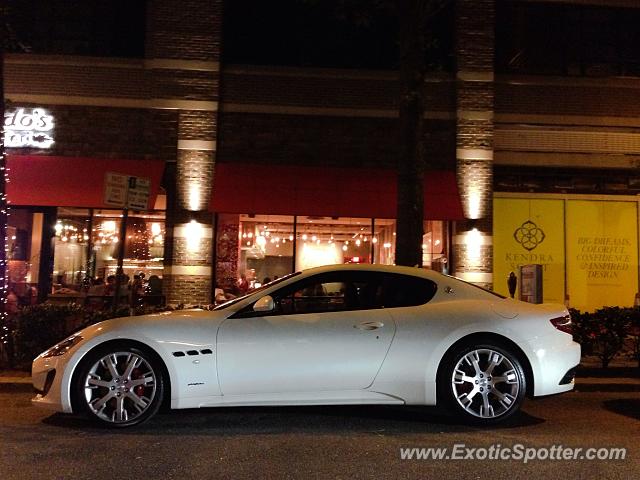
(256, 291)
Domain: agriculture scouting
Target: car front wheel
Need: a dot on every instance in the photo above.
(483, 383)
(119, 386)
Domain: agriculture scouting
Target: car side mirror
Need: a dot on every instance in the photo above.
(265, 304)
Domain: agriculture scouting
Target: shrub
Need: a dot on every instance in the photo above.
(603, 332)
(38, 327)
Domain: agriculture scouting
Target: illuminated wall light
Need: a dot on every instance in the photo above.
(304, 236)
(473, 242)
(291, 238)
(374, 240)
(194, 233)
(194, 197)
(474, 202)
(314, 238)
(386, 245)
(344, 248)
(358, 242)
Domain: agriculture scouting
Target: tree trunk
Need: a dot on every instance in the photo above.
(409, 231)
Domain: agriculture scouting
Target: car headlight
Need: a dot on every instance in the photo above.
(62, 347)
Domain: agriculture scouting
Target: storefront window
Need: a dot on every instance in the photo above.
(144, 247)
(434, 254)
(70, 245)
(332, 240)
(385, 241)
(87, 241)
(266, 247)
(23, 254)
(252, 249)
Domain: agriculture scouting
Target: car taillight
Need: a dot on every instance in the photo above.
(563, 324)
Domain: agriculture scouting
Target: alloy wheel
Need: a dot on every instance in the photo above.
(486, 383)
(120, 387)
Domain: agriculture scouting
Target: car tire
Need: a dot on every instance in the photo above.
(482, 383)
(119, 385)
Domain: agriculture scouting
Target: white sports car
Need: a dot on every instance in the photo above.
(342, 334)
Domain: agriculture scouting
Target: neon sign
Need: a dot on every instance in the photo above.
(28, 128)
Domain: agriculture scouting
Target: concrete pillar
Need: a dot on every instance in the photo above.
(472, 239)
(183, 59)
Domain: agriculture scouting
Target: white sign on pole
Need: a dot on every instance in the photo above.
(124, 191)
(115, 189)
(138, 197)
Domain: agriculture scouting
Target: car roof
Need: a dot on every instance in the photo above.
(367, 267)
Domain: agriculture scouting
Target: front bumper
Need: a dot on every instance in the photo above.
(46, 376)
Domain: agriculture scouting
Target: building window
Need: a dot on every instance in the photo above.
(252, 249)
(577, 40)
(266, 247)
(77, 27)
(87, 247)
(23, 253)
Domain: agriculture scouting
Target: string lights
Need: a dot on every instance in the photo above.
(4, 221)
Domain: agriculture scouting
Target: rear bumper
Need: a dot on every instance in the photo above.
(553, 360)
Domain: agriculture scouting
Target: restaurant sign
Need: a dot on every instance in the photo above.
(28, 128)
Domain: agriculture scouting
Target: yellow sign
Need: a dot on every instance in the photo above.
(602, 253)
(529, 231)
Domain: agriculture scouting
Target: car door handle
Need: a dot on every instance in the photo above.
(369, 325)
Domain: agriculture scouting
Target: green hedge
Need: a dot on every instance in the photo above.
(36, 328)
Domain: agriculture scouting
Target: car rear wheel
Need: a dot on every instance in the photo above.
(119, 386)
(483, 383)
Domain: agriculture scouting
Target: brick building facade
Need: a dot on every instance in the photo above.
(514, 133)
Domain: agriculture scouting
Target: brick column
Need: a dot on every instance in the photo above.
(472, 240)
(183, 54)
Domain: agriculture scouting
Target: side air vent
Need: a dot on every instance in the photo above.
(193, 353)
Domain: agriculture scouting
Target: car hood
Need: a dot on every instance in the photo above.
(183, 326)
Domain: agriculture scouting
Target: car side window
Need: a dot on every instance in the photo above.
(335, 292)
(406, 291)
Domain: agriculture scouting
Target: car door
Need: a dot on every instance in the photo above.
(326, 333)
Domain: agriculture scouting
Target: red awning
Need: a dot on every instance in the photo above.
(344, 192)
(71, 181)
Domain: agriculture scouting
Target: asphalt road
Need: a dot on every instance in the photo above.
(317, 442)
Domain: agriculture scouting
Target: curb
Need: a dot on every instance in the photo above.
(15, 380)
(583, 384)
(607, 384)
